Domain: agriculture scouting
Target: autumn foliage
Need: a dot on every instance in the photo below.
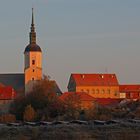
(7, 118)
(42, 99)
(29, 113)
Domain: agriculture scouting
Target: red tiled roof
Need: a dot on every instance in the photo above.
(108, 101)
(132, 88)
(2, 85)
(83, 96)
(95, 79)
(7, 93)
(86, 97)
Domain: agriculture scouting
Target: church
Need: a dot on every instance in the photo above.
(32, 66)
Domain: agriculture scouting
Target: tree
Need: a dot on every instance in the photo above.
(98, 113)
(42, 98)
(29, 114)
(18, 106)
(72, 105)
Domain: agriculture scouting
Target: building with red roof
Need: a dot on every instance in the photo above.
(7, 94)
(86, 101)
(130, 91)
(108, 101)
(96, 85)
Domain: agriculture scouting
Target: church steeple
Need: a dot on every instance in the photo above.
(32, 33)
(32, 38)
(33, 59)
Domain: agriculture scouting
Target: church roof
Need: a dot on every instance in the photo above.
(32, 48)
(15, 80)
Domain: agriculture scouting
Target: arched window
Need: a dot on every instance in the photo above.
(108, 91)
(97, 91)
(103, 91)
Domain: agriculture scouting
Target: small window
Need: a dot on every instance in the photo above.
(128, 95)
(97, 91)
(102, 91)
(115, 93)
(33, 62)
(131, 95)
(108, 91)
(33, 79)
(33, 70)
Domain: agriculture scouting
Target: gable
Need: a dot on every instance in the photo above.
(71, 83)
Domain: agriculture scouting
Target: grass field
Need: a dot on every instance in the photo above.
(124, 131)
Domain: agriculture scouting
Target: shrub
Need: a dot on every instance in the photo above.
(7, 118)
(29, 114)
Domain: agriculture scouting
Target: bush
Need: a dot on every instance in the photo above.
(7, 118)
(29, 114)
(42, 99)
(98, 113)
(72, 104)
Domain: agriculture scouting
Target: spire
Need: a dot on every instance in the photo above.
(32, 33)
(32, 16)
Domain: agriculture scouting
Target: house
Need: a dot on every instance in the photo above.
(87, 101)
(108, 102)
(96, 85)
(7, 94)
(130, 91)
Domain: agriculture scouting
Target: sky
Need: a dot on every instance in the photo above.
(76, 36)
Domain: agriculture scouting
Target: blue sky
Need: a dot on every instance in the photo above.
(76, 36)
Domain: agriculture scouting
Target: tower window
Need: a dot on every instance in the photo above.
(33, 70)
(33, 62)
(33, 79)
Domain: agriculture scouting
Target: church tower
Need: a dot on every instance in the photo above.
(32, 59)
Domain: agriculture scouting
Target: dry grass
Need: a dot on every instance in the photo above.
(70, 132)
